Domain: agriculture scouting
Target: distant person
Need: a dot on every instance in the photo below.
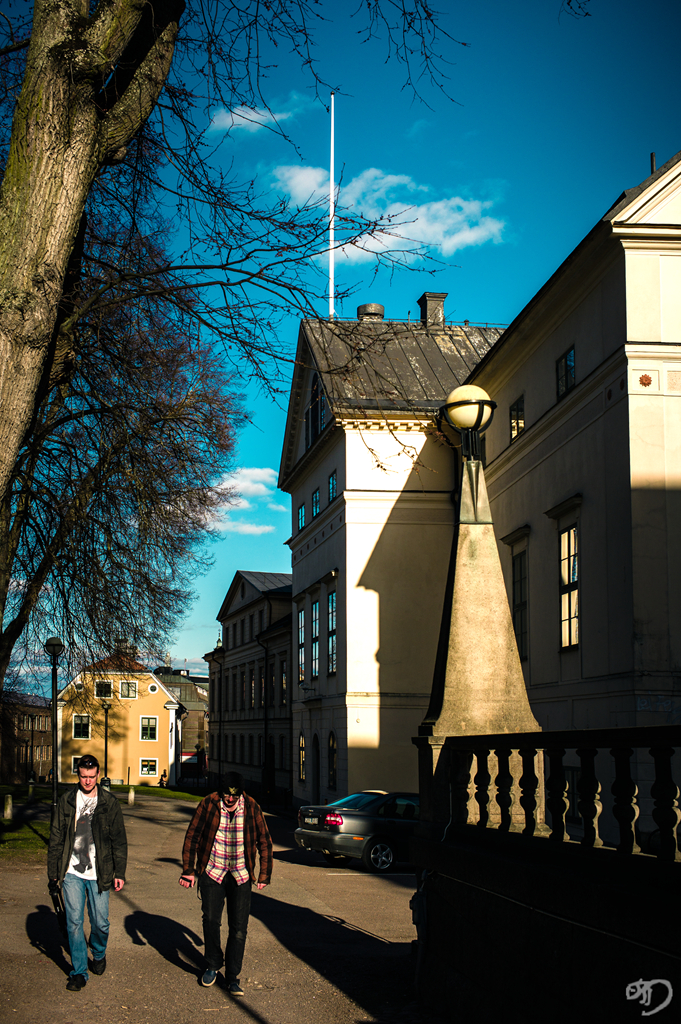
(87, 854)
(163, 781)
(220, 846)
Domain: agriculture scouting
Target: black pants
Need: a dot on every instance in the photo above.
(238, 899)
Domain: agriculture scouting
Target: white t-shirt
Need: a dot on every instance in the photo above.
(82, 861)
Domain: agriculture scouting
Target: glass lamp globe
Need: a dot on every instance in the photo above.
(472, 414)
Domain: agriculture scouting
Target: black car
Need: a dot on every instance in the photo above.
(372, 826)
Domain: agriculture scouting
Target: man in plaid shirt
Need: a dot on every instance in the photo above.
(220, 847)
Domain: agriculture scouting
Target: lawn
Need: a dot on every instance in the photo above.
(22, 837)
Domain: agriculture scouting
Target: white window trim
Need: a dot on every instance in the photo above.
(75, 758)
(89, 727)
(148, 775)
(142, 740)
(128, 681)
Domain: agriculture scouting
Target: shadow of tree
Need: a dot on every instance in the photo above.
(174, 941)
(44, 934)
(372, 971)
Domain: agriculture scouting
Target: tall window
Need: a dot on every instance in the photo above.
(315, 503)
(301, 758)
(261, 686)
(569, 580)
(234, 692)
(517, 415)
(272, 686)
(283, 695)
(315, 414)
(301, 645)
(314, 661)
(81, 727)
(243, 689)
(333, 750)
(282, 752)
(128, 689)
(565, 372)
(301, 516)
(331, 627)
(148, 728)
(520, 602)
(333, 485)
(251, 688)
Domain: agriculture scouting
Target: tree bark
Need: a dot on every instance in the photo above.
(66, 127)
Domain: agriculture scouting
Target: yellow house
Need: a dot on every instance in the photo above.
(142, 733)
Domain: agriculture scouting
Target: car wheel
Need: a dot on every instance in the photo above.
(337, 859)
(378, 856)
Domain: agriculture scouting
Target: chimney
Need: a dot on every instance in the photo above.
(370, 311)
(432, 306)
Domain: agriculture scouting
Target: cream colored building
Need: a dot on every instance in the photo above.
(370, 484)
(592, 469)
(144, 725)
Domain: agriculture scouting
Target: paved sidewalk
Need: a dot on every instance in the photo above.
(324, 946)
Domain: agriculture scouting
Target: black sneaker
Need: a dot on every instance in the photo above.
(76, 982)
(209, 977)
(98, 966)
(235, 989)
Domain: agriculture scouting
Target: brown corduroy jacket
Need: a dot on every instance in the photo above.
(198, 842)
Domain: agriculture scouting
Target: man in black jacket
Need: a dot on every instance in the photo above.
(87, 854)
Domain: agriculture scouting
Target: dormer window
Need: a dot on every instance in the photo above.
(316, 413)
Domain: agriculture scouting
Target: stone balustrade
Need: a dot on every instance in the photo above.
(456, 784)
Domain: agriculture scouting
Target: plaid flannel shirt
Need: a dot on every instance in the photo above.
(227, 855)
(200, 838)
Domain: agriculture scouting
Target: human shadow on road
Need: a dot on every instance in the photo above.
(372, 971)
(176, 943)
(42, 929)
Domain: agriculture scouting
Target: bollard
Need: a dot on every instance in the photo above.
(8, 806)
(131, 796)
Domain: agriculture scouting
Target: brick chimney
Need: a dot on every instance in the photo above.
(432, 306)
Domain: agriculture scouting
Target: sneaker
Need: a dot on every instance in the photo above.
(76, 982)
(209, 977)
(98, 966)
(235, 989)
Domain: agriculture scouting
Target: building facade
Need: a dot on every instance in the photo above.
(250, 704)
(192, 694)
(25, 737)
(370, 478)
(143, 728)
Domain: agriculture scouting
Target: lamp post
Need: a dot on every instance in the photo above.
(106, 781)
(54, 648)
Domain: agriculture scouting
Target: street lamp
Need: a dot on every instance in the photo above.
(54, 648)
(469, 410)
(106, 781)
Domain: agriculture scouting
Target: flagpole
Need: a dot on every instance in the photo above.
(331, 217)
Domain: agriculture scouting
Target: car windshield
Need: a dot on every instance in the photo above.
(356, 800)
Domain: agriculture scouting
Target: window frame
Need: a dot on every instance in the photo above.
(104, 682)
(566, 377)
(331, 648)
(314, 637)
(128, 683)
(301, 646)
(569, 587)
(148, 774)
(315, 503)
(333, 486)
(301, 517)
(516, 415)
(148, 718)
(519, 602)
(89, 727)
(301, 757)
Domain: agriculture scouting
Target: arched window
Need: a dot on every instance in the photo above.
(315, 414)
(301, 758)
(333, 758)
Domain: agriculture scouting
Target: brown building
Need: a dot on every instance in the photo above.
(25, 737)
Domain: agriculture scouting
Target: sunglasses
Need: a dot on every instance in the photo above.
(88, 762)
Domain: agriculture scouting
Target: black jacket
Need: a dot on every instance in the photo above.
(108, 833)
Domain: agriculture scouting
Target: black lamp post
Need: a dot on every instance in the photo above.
(55, 649)
(106, 781)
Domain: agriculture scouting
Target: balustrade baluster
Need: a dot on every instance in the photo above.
(589, 789)
(557, 790)
(529, 790)
(460, 778)
(482, 780)
(666, 812)
(504, 782)
(626, 809)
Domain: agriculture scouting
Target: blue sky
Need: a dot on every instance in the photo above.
(554, 117)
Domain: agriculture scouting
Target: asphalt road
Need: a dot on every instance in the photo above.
(325, 944)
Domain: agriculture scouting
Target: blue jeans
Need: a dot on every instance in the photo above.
(76, 891)
(214, 895)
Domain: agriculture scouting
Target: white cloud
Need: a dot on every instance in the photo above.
(276, 508)
(229, 526)
(252, 119)
(446, 225)
(255, 482)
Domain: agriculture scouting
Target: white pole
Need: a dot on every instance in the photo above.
(331, 218)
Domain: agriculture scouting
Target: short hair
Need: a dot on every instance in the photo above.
(87, 761)
(232, 783)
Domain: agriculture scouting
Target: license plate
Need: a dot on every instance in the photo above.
(312, 821)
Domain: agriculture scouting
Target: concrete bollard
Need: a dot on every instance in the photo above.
(131, 796)
(8, 806)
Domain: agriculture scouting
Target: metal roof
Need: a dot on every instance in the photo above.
(267, 581)
(393, 365)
